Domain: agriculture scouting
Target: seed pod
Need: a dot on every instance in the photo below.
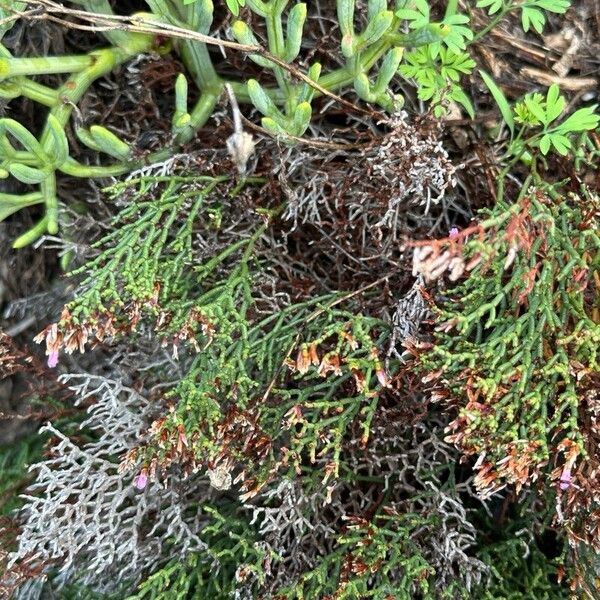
(436, 266)
(240, 146)
(474, 262)
(295, 25)
(419, 255)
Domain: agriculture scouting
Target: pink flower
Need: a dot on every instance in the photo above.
(53, 359)
(565, 479)
(453, 233)
(141, 480)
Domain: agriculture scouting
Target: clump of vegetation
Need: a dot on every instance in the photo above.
(250, 391)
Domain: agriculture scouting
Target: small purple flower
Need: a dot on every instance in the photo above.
(565, 479)
(141, 480)
(453, 233)
(53, 359)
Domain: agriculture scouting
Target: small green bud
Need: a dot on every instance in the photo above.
(243, 34)
(182, 121)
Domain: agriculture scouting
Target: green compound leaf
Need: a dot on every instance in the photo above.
(453, 65)
(457, 33)
(555, 6)
(560, 142)
(584, 119)
(555, 103)
(418, 15)
(493, 6)
(532, 17)
(532, 12)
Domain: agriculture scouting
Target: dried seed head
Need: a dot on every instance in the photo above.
(220, 477)
(240, 146)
